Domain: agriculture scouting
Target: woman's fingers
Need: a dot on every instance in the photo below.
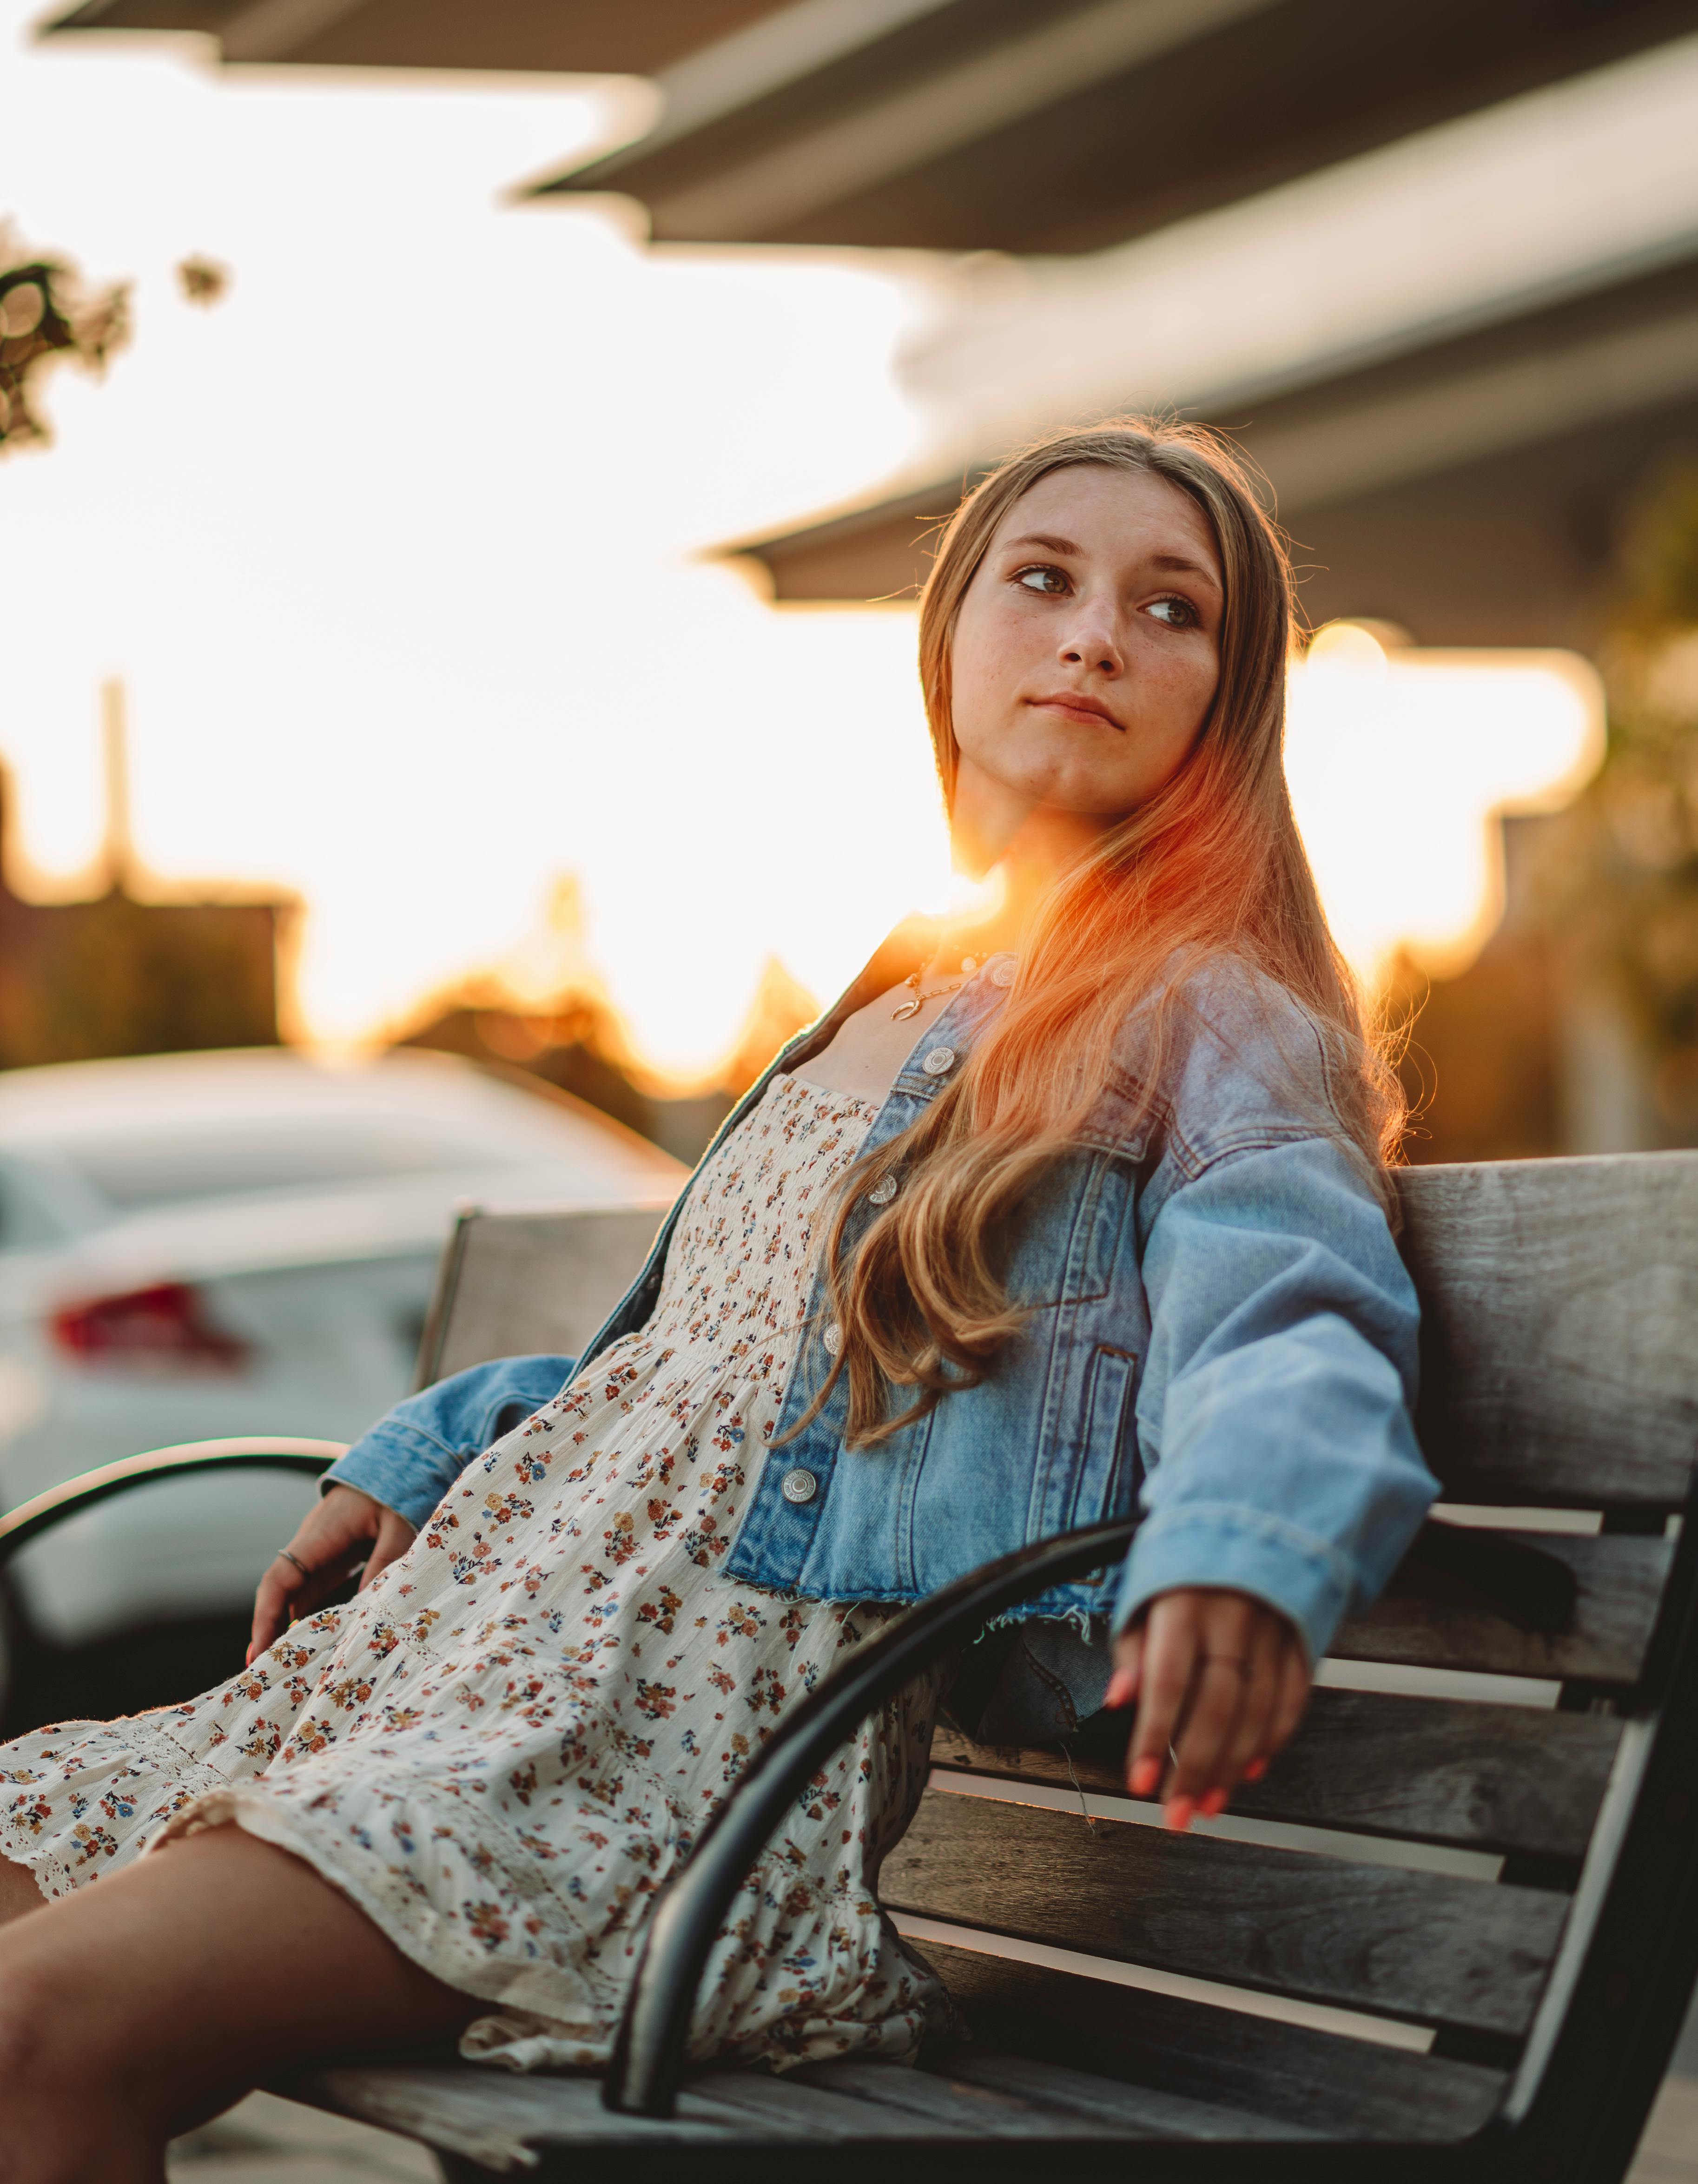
(1291, 1687)
(271, 1603)
(1292, 1696)
(1215, 1700)
(1226, 1623)
(1221, 1681)
(336, 1533)
(1169, 1658)
(1264, 1659)
(285, 1594)
(394, 1536)
(1129, 1659)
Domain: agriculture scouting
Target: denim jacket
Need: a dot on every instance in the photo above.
(1220, 1332)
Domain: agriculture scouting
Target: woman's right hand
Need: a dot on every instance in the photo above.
(342, 1530)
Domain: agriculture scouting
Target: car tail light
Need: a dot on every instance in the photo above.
(150, 1330)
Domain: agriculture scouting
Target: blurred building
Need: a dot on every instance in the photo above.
(113, 975)
(83, 980)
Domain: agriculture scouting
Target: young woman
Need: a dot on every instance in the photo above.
(1080, 1209)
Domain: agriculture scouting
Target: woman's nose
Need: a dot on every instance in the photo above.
(1094, 644)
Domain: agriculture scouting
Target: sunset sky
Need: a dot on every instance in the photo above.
(400, 552)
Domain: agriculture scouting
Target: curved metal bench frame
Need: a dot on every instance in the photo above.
(253, 1452)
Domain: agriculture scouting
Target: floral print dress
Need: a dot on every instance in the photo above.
(503, 1748)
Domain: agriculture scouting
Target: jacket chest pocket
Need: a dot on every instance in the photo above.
(1111, 1447)
(1070, 1230)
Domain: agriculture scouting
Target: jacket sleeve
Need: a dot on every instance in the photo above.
(1274, 1411)
(408, 1460)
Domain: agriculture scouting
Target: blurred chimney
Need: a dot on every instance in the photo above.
(120, 853)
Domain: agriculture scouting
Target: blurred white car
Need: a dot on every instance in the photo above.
(195, 1246)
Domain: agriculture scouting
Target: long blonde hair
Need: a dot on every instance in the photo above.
(1212, 866)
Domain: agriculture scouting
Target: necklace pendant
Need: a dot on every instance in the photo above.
(908, 1009)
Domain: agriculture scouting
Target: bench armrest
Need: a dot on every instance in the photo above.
(256, 1452)
(649, 2056)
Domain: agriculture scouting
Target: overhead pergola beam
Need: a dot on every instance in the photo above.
(768, 56)
(915, 123)
(272, 29)
(987, 124)
(567, 37)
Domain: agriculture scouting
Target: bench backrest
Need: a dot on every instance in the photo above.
(528, 1281)
(1405, 1871)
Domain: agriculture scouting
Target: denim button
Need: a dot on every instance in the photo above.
(833, 1338)
(939, 1061)
(883, 1190)
(1003, 970)
(799, 1486)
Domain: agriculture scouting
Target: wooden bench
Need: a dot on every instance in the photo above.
(1452, 1933)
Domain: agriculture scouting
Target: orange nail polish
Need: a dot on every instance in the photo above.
(1144, 1776)
(1122, 1686)
(1179, 1813)
(1255, 1770)
(1212, 1805)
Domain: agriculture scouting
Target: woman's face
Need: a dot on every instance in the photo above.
(1087, 651)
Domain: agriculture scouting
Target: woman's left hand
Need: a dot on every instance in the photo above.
(1221, 1681)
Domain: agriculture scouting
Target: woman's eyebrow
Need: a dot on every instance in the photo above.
(1045, 538)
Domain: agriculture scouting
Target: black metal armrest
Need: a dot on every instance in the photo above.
(256, 1452)
(649, 2056)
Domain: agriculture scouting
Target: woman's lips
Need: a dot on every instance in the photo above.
(1079, 708)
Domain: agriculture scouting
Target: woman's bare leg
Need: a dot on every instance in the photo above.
(158, 1996)
(17, 1891)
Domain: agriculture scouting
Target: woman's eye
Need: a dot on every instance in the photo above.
(1051, 582)
(1177, 614)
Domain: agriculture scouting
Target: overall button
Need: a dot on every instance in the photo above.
(883, 1190)
(1003, 970)
(939, 1061)
(833, 1339)
(799, 1486)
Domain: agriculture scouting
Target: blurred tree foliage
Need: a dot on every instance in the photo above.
(576, 1042)
(1625, 882)
(47, 316)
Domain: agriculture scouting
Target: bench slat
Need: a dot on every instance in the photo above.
(1557, 1298)
(1517, 1779)
(991, 2111)
(850, 2109)
(1006, 2095)
(1429, 1618)
(1416, 1945)
(495, 2117)
(1288, 2072)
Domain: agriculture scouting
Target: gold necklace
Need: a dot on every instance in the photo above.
(912, 1008)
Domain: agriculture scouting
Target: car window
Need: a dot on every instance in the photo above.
(219, 1160)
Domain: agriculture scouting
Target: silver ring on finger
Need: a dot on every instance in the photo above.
(285, 1555)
